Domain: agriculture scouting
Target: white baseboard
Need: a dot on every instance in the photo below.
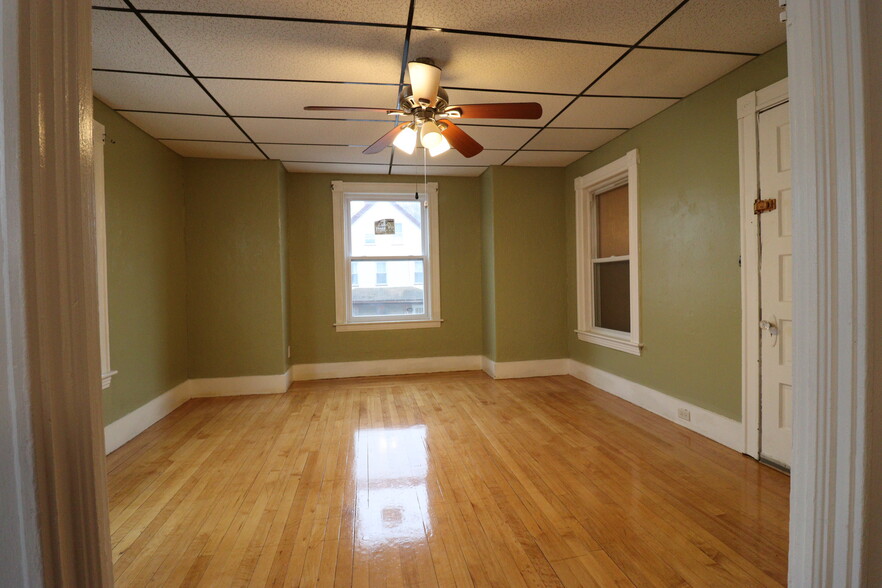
(238, 386)
(123, 430)
(721, 429)
(525, 369)
(385, 367)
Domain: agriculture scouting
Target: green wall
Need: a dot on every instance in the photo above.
(235, 254)
(690, 244)
(525, 259)
(146, 269)
(311, 275)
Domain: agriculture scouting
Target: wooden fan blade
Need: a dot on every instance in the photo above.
(343, 108)
(461, 141)
(531, 110)
(385, 140)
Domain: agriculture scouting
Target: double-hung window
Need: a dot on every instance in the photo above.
(386, 256)
(607, 250)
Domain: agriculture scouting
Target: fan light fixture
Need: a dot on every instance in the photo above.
(442, 147)
(430, 135)
(406, 139)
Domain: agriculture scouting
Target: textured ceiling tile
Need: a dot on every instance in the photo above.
(233, 47)
(334, 168)
(287, 99)
(321, 132)
(378, 11)
(110, 3)
(733, 25)
(551, 105)
(610, 112)
(650, 72)
(545, 158)
(176, 126)
(498, 137)
(572, 139)
(324, 153)
(452, 157)
(473, 61)
(413, 170)
(148, 92)
(121, 41)
(214, 150)
(608, 21)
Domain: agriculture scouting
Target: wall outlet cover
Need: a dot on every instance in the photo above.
(683, 413)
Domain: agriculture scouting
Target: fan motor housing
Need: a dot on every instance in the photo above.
(408, 105)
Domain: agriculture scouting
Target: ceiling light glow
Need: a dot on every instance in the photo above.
(430, 135)
(442, 147)
(406, 139)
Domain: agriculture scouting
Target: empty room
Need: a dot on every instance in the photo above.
(411, 293)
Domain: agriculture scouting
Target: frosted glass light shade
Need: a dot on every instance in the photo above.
(424, 81)
(442, 147)
(430, 135)
(406, 140)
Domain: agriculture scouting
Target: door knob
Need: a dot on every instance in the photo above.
(772, 328)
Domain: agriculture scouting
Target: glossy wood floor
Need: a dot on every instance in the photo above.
(439, 480)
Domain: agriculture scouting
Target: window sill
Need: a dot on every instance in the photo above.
(611, 341)
(387, 325)
(106, 378)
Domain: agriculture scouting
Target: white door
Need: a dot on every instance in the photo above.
(776, 287)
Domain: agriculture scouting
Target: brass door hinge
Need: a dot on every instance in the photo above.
(761, 206)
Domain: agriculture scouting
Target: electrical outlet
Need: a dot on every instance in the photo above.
(683, 413)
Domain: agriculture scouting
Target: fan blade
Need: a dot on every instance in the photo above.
(425, 79)
(460, 141)
(364, 108)
(385, 140)
(531, 110)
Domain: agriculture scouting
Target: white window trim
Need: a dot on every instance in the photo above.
(431, 274)
(101, 240)
(601, 180)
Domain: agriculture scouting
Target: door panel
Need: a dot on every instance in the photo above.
(776, 287)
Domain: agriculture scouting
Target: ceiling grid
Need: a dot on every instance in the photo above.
(218, 78)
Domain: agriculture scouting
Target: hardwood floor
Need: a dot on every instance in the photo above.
(439, 480)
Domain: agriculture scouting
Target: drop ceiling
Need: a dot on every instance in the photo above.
(229, 79)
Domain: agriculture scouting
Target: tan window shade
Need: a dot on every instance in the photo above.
(612, 295)
(612, 222)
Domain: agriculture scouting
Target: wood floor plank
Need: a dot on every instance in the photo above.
(439, 480)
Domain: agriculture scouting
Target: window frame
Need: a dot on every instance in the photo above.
(610, 176)
(342, 193)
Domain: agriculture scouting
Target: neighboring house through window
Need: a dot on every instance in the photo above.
(386, 249)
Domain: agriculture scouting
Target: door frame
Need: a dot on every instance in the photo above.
(750, 106)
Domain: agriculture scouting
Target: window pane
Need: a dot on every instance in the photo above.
(402, 236)
(612, 222)
(388, 288)
(612, 295)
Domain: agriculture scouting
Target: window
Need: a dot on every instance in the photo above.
(386, 250)
(607, 247)
(101, 238)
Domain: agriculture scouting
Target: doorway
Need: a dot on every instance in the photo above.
(767, 274)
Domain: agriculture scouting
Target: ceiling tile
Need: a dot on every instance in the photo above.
(734, 25)
(234, 47)
(334, 168)
(495, 63)
(324, 153)
(545, 158)
(378, 11)
(214, 150)
(494, 137)
(121, 41)
(609, 21)
(320, 132)
(573, 139)
(284, 99)
(177, 126)
(610, 112)
(652, 72)
(413, 170)
(111, 3)
(551, 105)
(453, 157)
(148, 92)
